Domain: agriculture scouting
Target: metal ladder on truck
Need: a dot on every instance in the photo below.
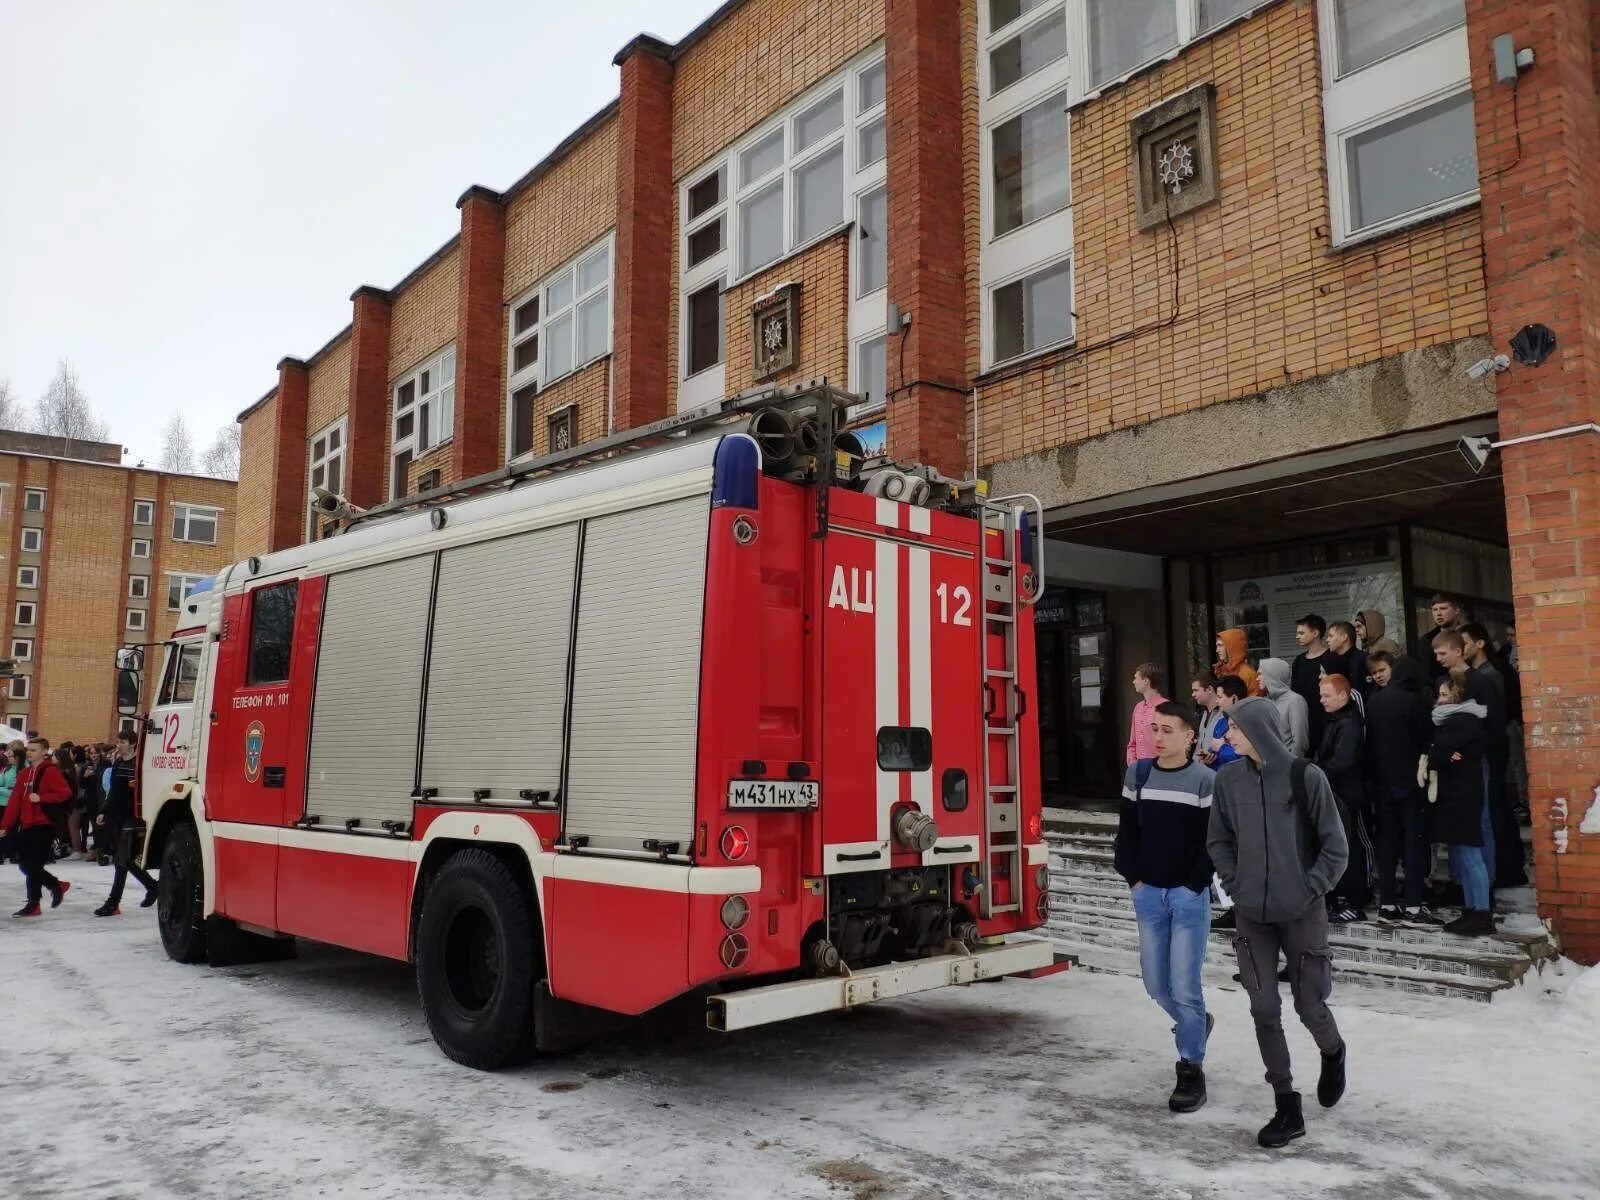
(1004, 703)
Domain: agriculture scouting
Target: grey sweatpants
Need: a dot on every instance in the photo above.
(1304, 943)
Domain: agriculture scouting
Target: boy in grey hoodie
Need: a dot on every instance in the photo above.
(1294, 720)
(1279, 855)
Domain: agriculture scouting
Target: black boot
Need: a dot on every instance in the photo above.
(1190, 1093)
(1330, 1084)
(1286, 1124)
(1473, 922)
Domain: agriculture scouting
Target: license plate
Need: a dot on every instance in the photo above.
(772, 793)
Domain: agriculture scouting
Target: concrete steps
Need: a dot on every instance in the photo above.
(1092, 916)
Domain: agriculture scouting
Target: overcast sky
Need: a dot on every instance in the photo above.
(191, 189)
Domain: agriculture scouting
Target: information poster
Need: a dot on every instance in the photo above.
(1267, 606)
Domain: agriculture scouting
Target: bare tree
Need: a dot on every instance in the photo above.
(222, 456)
(177, 445)
(12, 414)
(64, 410)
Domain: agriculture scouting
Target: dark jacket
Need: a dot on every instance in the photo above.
(1161, 828)
(1398, 732)
(1422, 648)
(1456, 816)
(1486, 689)
(118, 809)
(1305, 676)
(1276, 857)
(1339, 754)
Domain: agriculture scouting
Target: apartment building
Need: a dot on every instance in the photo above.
(98, 556)
(1222, 282)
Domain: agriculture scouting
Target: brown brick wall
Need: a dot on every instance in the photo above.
(1543, 264)
(84, 569)
(423, 316)
(1262, 300)
(480, 336)
(258, 445)
(566, 209)
(823, 273)
(329, 394)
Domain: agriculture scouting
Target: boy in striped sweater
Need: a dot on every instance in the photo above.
(1161, 852)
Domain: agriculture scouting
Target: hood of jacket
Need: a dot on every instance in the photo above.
(1235, 643)
(1258, 718)
(1376, 626)
(1275, 676)
(1471, 708)
(1407, 673)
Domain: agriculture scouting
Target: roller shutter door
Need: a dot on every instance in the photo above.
(636, 677)
(497, 677)
(369, 693)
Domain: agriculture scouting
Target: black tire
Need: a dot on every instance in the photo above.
(180, 896)
(478, 959)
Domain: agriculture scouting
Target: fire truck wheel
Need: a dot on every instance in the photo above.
(180, 909)
(477, 951)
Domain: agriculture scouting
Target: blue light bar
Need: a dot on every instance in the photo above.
(736, 473)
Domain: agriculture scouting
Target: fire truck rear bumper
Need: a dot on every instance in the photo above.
(781, 1001)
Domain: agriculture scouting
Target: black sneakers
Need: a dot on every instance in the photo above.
(1190, 1092)
(1390, 914)
(1330, 1084)
(150, 897)
(108, 910)
(1287, 1123)
(1423, 918)
(1473, 922)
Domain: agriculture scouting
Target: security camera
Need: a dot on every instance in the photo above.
(1476, 451)
(1485, 365)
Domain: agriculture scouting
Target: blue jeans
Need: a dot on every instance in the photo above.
(1173, 926)
(1467, 864)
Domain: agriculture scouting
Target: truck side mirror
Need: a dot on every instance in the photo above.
(127, 692)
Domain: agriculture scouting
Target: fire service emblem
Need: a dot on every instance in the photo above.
(254, 738)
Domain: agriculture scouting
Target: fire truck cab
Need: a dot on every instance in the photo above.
(718, 705)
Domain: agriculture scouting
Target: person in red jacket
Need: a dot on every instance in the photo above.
(40, 783)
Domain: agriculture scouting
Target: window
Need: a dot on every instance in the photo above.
(19, 722)
(904, 748)
(1115, 38)
(22, 649)
(144, 512)
(183, 671)
(124, 725)
(327, 466)
(872, 383)
(32, 541)
(798, 178)
(191, 523)
(27, 577)
(1125, 34)
(138, 587)
(26, 613)
(424, 414)
(1025, 88)
(1397, 106)
(141, 548)
(179, 587)
(521, 423)
(134, 618)
(33, 500)
(19, 686)
(872, 216)
(271, 633)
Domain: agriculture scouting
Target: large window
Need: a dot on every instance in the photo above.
(192, 523)
(271, 633)
(1026, 262)
(179, 587)
(1397, 99)
(556, 328)
(800, 177)
(1124, 36)
(327, 466)
(424, 414)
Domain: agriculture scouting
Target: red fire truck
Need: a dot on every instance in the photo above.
(716, 705)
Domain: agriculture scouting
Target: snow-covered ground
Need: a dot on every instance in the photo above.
(123, 1074)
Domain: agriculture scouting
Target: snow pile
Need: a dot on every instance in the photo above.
(1561, 991)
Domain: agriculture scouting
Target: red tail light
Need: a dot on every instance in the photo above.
(1034, 827)
(735, 843)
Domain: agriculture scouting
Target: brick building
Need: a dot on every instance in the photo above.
(97, 556)
(1211, 278)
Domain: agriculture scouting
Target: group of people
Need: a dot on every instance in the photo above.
(1265, 792)
(74, 801)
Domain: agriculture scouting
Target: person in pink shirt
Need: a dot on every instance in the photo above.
(1141, 741)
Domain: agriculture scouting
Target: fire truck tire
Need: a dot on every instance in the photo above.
(477, 962)
(180, 910)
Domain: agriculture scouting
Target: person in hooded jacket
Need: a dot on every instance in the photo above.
(1293, 718)
(1456, 757)
(1371, 633)
(1398, 733)
(1232, 648)
(1339, 755)
(1280, 849)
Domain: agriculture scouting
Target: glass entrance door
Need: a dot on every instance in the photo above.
(1092, 760)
